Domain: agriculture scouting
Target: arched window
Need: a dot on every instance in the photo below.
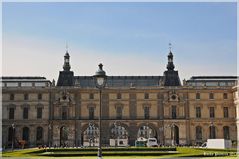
(212, 132)
(226, 133)
(198, 133)
(39, 133)
(25, 134)
(63, 135)
(146, 132)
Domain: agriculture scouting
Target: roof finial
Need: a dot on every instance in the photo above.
(170, 47)
(66, 46)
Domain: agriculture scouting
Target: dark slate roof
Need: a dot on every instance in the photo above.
(66, 78)
(22, 77)
(120, 81)
(171, 78)
(213, 78)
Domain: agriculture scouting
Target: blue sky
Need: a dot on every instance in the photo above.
(128, 38)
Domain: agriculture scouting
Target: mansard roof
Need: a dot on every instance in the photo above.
(120, 81)
(23, 79)
(213, 78)
(212, 81)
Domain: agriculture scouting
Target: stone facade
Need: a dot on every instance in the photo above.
(132, 107)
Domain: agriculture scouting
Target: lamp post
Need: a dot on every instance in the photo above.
(100, 81)
(173, 131)
(49, 136)
(161, 129)
(13, 134)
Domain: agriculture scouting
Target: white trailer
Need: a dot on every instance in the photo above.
(119, 142)
(152, 142)
(219, 143)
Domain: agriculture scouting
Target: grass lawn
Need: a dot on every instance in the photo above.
(125, 153)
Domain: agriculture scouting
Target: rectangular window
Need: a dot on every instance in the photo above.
(39, 113)
(224, 95)
(25, 113)
(211, 96)
(25, 96)
(91, 96)
(212, 113)
(39, 96)
(64, 113)
(198, 112)
(225, 112)
(91, 112)
(119, 112)
(197, 95)
(118, 95)
(174, 112)
(11, 96)
(146, 96)
(146, 112)
(11, 113)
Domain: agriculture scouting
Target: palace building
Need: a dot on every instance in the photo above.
(40, 112)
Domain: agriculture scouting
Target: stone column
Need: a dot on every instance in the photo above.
(133, 132)
(32, 136)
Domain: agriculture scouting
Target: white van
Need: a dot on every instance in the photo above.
(152, 142)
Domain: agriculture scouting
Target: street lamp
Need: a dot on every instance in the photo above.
(100, 81)
(13, 134)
